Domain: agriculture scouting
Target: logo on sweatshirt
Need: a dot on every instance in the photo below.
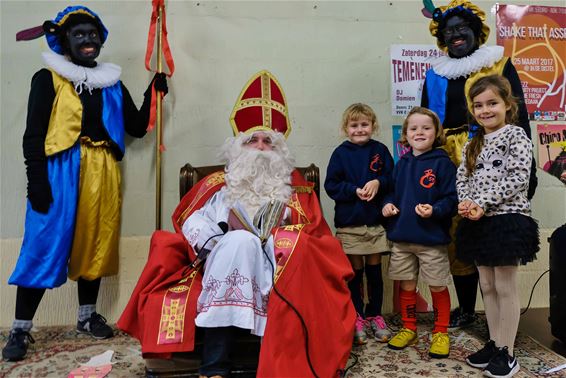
(376, 164)
(428, 179)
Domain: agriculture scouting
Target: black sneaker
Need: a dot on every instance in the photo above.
(481, 358)
(17, 345)
(502, 365)
(460, 319)
(95, 326)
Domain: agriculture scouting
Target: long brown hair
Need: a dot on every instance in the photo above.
(501, 87)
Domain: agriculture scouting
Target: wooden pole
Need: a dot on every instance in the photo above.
(159, 123)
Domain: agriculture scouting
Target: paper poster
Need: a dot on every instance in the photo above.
(409, 64)
(552, 149)
(398, 149)
(534, 37)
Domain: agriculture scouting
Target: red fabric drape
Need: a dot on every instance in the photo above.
(149, 52)
(313, 280)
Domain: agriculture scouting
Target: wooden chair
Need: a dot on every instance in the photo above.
(246, 351)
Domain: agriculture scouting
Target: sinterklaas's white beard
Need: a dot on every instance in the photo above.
(255, 177)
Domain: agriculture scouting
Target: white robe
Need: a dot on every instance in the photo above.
(237, 274)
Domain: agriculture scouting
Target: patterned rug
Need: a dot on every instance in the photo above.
(58, 350)
(377, 360)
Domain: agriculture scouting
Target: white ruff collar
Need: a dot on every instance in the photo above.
(102, 76)
(452, 68)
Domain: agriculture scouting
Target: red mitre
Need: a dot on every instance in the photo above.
(261, 106)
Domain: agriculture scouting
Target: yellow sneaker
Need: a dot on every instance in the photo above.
(402, 339)
(440, 346)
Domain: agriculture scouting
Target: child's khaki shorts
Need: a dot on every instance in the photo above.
(363, 240)
(428, 264)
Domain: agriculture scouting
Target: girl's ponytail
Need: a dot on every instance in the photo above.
(473, 151)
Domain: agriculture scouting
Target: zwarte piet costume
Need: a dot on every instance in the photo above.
(74, 139)
(78, 114)
(444, 92)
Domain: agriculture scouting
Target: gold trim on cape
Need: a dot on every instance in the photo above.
(172, 319)
(211, 181)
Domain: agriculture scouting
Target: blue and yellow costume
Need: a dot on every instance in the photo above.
(74, 139)
(447, 82)
(444, 91)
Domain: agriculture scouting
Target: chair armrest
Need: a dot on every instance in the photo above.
(189, 176)
(312, 174)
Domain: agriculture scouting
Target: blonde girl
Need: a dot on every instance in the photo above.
(358, 175)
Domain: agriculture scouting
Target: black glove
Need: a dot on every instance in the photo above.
(160, 80)
(39, 189)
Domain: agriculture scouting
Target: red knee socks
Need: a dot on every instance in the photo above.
(441, 304)
(408, 301)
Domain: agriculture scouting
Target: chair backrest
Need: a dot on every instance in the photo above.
(189, 176)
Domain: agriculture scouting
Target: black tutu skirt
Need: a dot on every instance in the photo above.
(499, 240)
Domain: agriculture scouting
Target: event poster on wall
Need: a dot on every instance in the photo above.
(398, 149)
(534, 37)
(409, 64)
(552, 149)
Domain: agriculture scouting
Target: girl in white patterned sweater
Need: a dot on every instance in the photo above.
(497, 232)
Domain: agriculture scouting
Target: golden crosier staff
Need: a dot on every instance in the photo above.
(158, 28)
(159, 122)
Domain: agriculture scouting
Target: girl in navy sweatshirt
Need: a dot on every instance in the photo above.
(420, 206)
(358, 175)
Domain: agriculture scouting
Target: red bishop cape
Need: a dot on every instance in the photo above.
(312, 271)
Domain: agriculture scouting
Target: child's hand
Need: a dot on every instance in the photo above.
(423, 210)
(389, 210)
(469, 209)
(475, 212)
(361, 194)
(464, 208)
(370, 189)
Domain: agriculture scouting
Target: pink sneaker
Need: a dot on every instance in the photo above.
(379, 329)
(359, 331)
